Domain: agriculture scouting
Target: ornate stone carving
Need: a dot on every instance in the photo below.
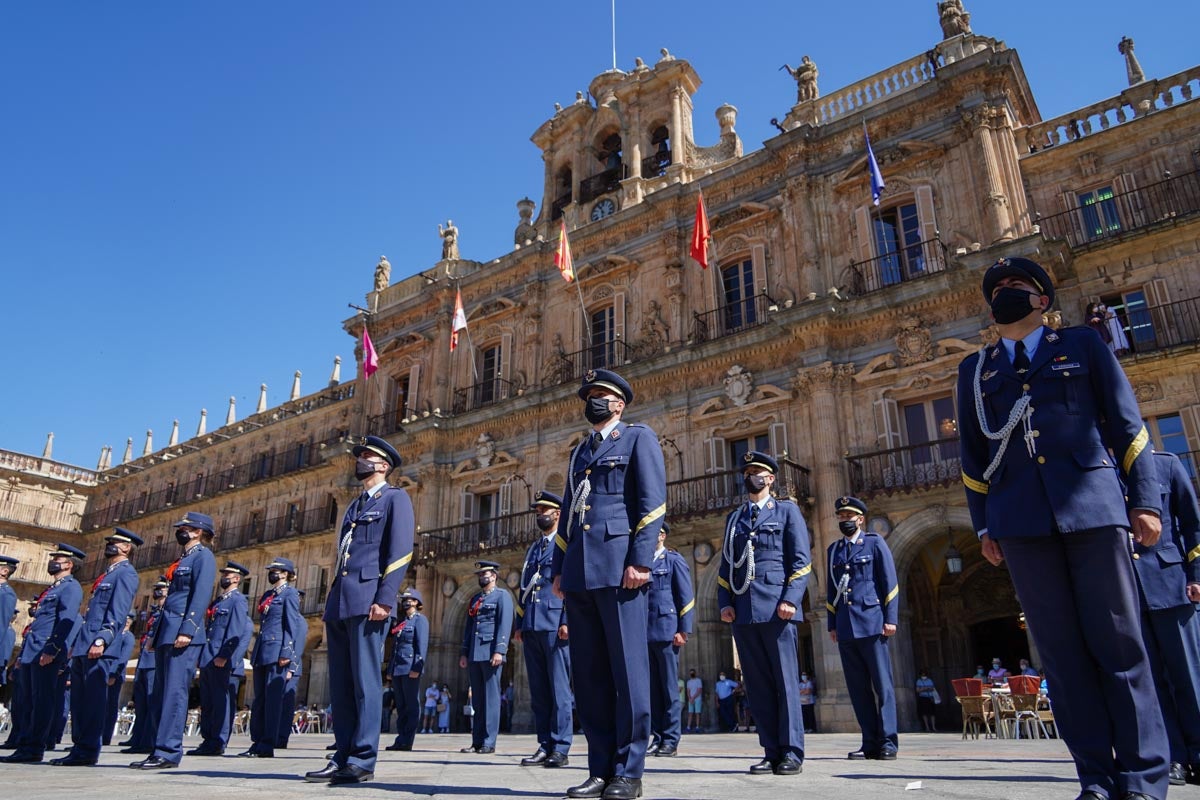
(806, 79)
(739, 383)
(525, 233)
(1145, 392)
(383, 274)
(990, 335)
(914, 343)
(485, 450)
(954, 18)
(449, 241)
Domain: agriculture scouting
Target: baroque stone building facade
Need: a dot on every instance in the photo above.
(827, 331)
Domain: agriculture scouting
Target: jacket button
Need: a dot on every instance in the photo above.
(1041, 459)
(1137, 555)
(1067, 374)
(587, 508)
(587, 527)
(344, 572)
(1025, 386)
(1035, 434)
(587, 472)
(1104, 462)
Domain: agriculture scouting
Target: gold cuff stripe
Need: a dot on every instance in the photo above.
(520, 611)
(688, 608)
(1135, 449)
(560, 542)
(832, 610)
(395, 565)
(978, 487)
(653, 515)
(724, 584)
(800, 573)
(892, 594)
(1193, 554)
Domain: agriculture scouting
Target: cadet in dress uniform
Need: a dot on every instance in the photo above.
(863, 600)
(116, 679)
(671, 604)
(19, 704)
(410, 646)
(227, 632)
(96, 648)
(765, 562)
(8, 610)
(484, 645)
(542, 630)
(613, 509)
(1168, 575)
(374, 549)
(287, 707)
(145, 723)
(179, 637)
(274, 652)
(45, 652)
(1039, 413)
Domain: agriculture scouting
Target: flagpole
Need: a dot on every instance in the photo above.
(587, 322)
(614, 32)
(873, 213)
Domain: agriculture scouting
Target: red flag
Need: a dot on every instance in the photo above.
(700, 234)
(370, 357)
(460, 320)
(562, 259)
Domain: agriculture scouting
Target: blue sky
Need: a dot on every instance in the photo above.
(192, 192)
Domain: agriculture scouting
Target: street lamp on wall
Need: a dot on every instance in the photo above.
(954, 560)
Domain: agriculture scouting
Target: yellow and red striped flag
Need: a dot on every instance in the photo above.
(562, 259)
(460, 320)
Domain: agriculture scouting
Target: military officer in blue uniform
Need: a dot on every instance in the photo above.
(670, 604)
(274, 652)
(287, 708)
(141, 738)
(45, 653)
(410, 646)
(862, 597)
(92, 663)
(18, 701)
(373, 552)
(1052, 442)
(116, 679)
(541, 622)
(1168, 577)
(8, 610)
(613, 510)
(765, 563)
(227, 632)
(179, 637)
(484, 645)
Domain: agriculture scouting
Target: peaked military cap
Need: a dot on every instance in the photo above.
(67, 551)
(848, 503)
(194, 519)
(379, 447)
(605, 379)
(124, 535)
(666, 529)
(756, 458)
(233, 566)
(163, 582)
(284, 564)
(544, 498)
(12, 562)
(412, 594)
(1017, 268)
(484, 566)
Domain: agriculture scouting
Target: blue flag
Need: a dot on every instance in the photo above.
(877, 184)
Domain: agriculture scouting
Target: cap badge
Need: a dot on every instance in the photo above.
(590, 375)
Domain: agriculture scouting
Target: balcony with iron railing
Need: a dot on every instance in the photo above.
(655, 165)
(568, 367)
(1155, 328)
(481, 395)
(55, 516)
(909, 263)
(730, 318)
(601, 183)
(1172, 199)
(905, 469)
(556, 208)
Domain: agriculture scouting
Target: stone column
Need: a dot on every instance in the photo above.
(676, 126)
(999, 223)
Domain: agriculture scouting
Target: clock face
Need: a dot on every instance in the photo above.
(603, 209)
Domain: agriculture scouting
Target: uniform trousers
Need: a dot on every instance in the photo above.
(1172, 638)
(287, 709)
(548, 664)
(270, 681)
(89, 704)
(665, 706)
(356, 690)
(609, 658)
(41, 693)
(218, 704)
(20, 705)
(1080, 600)
(771, 670)
(408, 707)
(175, 667)
(867, 666)
(485, 699)
(145, 722)
(111, 710)
(58, 724)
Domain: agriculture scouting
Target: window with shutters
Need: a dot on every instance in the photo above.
(1168, 435)
(737, 286)
(400, 398)
(739, 447)
(1129, 322)
(292, 517)
(1099, 211)
(602, 325)
(928, 424)
(896, 243)
(897, 238)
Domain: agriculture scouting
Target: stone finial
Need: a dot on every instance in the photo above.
(48, 450)
(262, 399)
(666, 54)
(1133, 70)
(525, 232)
(100, 463)
(336, 376)
(727, 118)
(231, 414)
(202, 428)
(955, 19)
(174, 440)
(128, 451)
(295, 395)
(149, 448)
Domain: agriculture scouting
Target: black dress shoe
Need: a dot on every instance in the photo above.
(1176, 776)
(154, 762)
(205, 751)
(788, 766)
(556, 760)
(666, 750)
(405, 747)
(537, 758)
(592, 787)
(485, 750)
(350, 774)
(887, 755)
(1135, 796)
(652, 750)
(764, 767)
(125, 743)
(1090, 795)
(471, 749)
(623, 788)
(21, 758)
(858, 755)
(331, 746)
(1193, 774)
(73, 761)
(256, 754)
(323, 774)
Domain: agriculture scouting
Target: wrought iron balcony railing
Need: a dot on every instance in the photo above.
(602, 183)
(481, 395)
(1151, 328)
(908, 263)
(905, 469)
(730, 318)
(655, 164)
(567, 367)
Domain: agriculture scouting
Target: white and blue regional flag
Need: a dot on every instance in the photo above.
(877, 184)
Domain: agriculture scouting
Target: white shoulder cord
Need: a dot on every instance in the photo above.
(747, 557)
(1021, 412)
(583, 490)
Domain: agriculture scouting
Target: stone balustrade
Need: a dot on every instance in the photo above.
(33, 465)
(892, 81)
(52, 517)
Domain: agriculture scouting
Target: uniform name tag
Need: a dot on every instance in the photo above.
(1072, 365)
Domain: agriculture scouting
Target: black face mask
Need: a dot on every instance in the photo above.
(596, 410)
(410, 607)
(225, 582)
(182, 536)
(484, 581)
(363, 468)
(274, 575)
(111, 549)
(848, 527)
(160, 593)
(1010, 305)
(754, 483)
(545, 522)
(54, 568)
